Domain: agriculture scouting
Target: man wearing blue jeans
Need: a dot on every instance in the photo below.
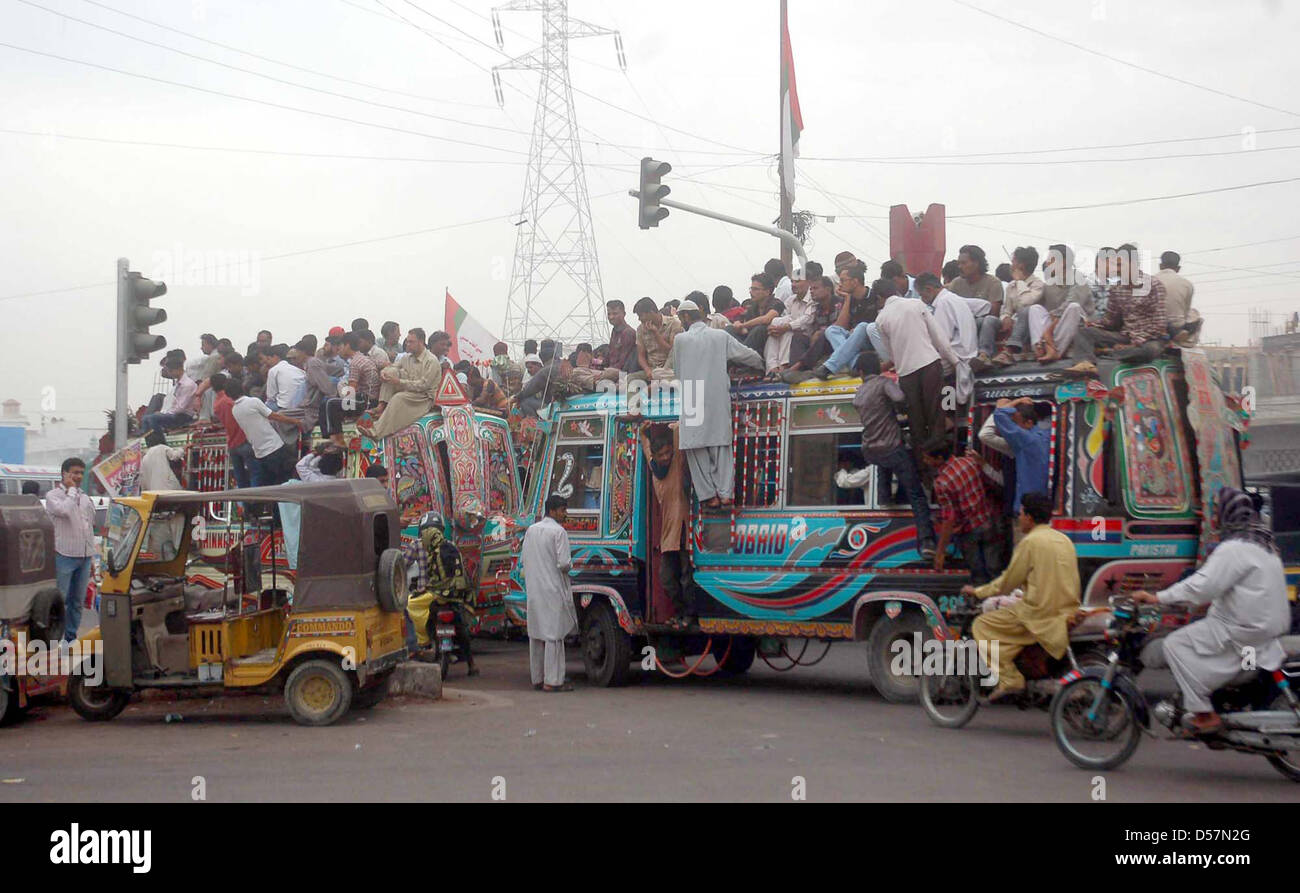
(850, 335)
(73, 515)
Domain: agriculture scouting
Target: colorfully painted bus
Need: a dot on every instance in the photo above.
(458, 461)
(1135, 459)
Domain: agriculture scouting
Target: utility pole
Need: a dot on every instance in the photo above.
(787, 211)
(119, 403)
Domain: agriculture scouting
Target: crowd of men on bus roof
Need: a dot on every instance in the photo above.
(908, 337)
(924, 331)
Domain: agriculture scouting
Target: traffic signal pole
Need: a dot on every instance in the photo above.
(123, 308)
(787, 238)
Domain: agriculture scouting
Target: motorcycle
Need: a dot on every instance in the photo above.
(952, 698)
(1099, 714)
(436, 623)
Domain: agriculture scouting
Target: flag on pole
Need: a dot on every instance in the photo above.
(791, 116)
(469, 340)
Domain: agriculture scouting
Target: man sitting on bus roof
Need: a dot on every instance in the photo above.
(1046, 567)
(1135, 324)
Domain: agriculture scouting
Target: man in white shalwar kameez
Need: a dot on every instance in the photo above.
(957, 322)
(700, 356)
(546, 560)
(1243, 581)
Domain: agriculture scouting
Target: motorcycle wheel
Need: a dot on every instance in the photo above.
(1101, 743)
(950, 701)
(444, 664)
(1287, 762)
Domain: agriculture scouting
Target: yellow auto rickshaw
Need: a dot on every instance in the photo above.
(325, 626)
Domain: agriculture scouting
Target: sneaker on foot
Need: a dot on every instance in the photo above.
(927, 550)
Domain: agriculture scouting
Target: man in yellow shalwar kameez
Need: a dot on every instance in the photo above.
(1046, 567)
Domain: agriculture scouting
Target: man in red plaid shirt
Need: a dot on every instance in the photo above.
(964, 510)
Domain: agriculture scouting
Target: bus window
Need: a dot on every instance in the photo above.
(410, 476)
(758, 452)
(814, 461)
(502, 487)
(578, 474)
(825, 436)
(1156, 462)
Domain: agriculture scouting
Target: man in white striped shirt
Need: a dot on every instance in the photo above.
(73, 515)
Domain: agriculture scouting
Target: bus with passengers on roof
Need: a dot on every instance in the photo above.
(800, 563)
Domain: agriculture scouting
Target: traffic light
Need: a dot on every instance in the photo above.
(134, 294)
(652, 191)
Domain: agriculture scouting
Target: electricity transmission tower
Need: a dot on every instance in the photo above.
(555, 251)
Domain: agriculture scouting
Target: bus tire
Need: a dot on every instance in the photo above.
(739, 659)
(95, 703)
(606, 649)
(894, 687)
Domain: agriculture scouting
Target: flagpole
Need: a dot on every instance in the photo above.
(786, 209)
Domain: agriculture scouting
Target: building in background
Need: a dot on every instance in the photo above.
(1270, 368)
(47, 442)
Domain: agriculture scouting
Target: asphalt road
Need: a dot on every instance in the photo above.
(742, 739)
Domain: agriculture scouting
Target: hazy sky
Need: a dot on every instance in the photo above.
(879, 78)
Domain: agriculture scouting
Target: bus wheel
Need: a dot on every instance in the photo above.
(739, 659)
(606, 649)
(900, 688)
(318, 692)
(95, 703)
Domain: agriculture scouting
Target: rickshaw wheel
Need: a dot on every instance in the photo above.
(95, 703)
(9, 709)
(318, 692)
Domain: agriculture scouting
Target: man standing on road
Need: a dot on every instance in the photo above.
(700, 356)
(546, 558)
(73, 515)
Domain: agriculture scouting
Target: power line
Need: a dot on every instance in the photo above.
(290, 65)
(334, 247)
(269, 77)
(325, 155)
(276, 105)
(738, 149)
(1016, 163)
(1093, 148)
(1160, 74)
(1130, 201)
(1111, 204)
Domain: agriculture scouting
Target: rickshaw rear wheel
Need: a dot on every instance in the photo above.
(606, 649)
(48, 615)
(95, 703)
(9, 709)
(372, 694)
(894, 687)
(318, 692)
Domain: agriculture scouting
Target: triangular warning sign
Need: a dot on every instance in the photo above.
(450, 393)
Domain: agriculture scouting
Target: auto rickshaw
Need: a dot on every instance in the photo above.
(327, 631)
(31, 606)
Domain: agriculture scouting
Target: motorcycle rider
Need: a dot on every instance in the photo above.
(1243, 582)
(445, 586)
(1046, 566)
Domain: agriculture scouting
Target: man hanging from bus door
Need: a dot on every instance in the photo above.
(665, 462)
